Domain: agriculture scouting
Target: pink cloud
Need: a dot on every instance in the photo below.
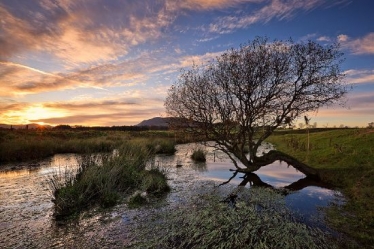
(360, 76)
(363, 45)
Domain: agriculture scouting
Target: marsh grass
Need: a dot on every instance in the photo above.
(344, 158)
(162, 146)
(23, 145)
(103, 180)
(259, 220)
(199, 155)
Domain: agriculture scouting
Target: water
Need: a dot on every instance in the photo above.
(25, 200)
(26, 207)
(305, 198)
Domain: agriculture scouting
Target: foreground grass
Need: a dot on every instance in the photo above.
(259, 220)
(344, 158)
(103, 180)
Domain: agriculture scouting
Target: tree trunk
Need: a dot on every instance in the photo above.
(273, 156)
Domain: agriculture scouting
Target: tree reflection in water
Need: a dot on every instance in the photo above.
(254, 180)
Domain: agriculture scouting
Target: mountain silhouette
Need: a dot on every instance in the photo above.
(156, 121)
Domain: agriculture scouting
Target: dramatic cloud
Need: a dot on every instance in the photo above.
(112, 62)
(18, 79)
(80, 31)
(23, 80)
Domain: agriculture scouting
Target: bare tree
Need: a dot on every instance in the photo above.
(241, 97)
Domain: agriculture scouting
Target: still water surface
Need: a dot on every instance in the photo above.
(26, 207)
(306, 201)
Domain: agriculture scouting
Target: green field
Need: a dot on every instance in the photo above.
(344, 158)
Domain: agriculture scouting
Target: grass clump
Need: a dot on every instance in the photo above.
(344, 158)
(103, 180)
(154, 181)
(199, 155)
(260, 220)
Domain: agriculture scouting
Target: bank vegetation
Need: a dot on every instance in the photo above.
(345, 159)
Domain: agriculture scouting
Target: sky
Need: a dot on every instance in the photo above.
(111, 62)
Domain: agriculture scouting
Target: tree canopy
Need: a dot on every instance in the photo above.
(241, 97)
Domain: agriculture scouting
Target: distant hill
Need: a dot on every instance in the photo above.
(156, 121)
(28, 126)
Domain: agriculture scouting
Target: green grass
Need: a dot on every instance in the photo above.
(344, 158)
(104, 180)
(260, 220)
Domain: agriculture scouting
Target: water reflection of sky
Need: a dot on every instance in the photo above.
(278, 174)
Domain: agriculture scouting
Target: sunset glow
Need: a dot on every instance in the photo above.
(32, 114)
(82, 62)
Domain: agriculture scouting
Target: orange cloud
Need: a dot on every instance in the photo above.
(18, 79)
(17, 34)
(360, 76)
(80, 31)
(129, 107)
